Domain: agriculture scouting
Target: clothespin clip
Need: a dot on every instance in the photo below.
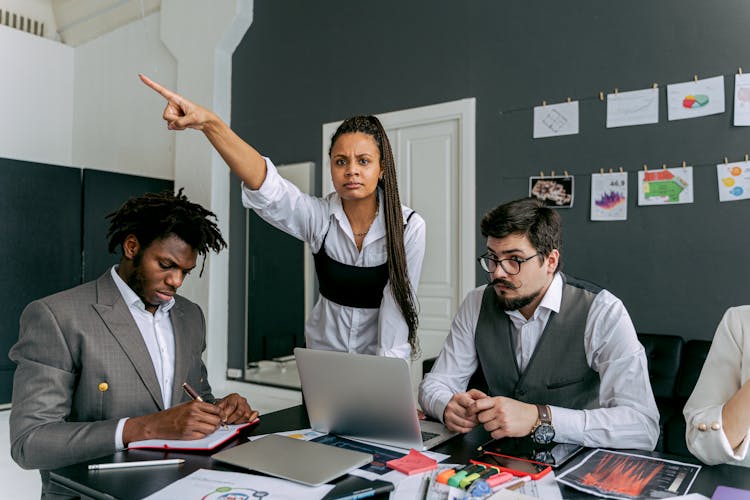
(601, 171)
(645, 167)
(553, 173)
(541, 173)
(656, 85)
(684, 164)
(739, 70)
(621, 171)
(725, 160)
(746, 158)
(565, 172)
(568, 99)
(610, 170)
(616, 91)
(664, 166)
(544, 103)
(601, 96)
(695, 78)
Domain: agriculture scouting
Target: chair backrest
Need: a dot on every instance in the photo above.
(694, 355)
(664, 355)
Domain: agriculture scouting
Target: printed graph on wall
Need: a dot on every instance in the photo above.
(665, 186)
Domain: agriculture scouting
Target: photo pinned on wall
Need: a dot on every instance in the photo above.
(609, 196)
(734, 181)
(554, 191)
(552, 120)
(741, 100)
(696, 98)
(637, 107)
(665, 186)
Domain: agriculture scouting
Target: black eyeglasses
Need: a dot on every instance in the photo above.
(511, 265)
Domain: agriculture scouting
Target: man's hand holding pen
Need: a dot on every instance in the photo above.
(234, 409)
(195, 419)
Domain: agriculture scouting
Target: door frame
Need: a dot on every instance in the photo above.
(463, 110)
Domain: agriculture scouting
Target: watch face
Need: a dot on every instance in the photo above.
(543, 434)
(544, 456)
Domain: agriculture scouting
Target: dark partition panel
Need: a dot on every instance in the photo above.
(275, 321)
(103, 193)
(677, 268)
(40, 252)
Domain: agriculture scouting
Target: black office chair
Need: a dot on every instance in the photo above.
(664, 354)
(693, 356)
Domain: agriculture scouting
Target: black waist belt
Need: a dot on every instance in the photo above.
(350, 286)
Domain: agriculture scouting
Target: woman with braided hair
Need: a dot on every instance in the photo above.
(368, 248)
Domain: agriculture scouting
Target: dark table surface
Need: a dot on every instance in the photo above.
(140, 482)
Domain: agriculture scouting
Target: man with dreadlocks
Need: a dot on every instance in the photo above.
(102, 365)
(368, 247)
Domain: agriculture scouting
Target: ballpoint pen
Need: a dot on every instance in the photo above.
(142, 463)
(197, 397)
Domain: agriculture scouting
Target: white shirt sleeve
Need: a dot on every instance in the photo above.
(393, 332)
(719, 380)
(119, 445)
(456, 362)
(285, 207)
(628, 416)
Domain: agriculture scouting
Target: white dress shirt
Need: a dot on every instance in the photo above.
(627, 417)
(726, 369)
(331, 326)
(158, 335)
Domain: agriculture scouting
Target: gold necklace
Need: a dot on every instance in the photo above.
(375, 216)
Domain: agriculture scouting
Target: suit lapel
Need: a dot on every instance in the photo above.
(116, 316)
(182, 350)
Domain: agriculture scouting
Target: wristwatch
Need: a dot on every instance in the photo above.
(543, 432)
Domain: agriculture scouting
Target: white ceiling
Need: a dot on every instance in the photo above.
(79, 21)
(74, 22)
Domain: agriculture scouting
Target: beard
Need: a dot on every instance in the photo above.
(137, 280)
(515, 303)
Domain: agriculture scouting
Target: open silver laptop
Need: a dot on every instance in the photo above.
(364, 397)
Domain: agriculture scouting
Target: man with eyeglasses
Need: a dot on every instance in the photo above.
(560, 356)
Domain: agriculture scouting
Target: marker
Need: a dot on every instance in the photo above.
(479, 476)
(445, 475)
(468, 479)
(469, 469)
(143, 463)
(499, 479)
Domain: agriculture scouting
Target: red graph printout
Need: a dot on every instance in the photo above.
(612, 474)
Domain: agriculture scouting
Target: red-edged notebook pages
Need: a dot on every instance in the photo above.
(209, 442)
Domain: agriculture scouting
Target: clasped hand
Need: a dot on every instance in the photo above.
(500, 416)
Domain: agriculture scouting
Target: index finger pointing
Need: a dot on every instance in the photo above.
(163, 91)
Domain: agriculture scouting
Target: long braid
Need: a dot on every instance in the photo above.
(394, 222)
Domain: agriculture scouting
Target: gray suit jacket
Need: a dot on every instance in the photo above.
(83, 365)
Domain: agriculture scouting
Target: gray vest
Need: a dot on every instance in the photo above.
(558, 373)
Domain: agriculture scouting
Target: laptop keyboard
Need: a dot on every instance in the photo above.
(426, 436)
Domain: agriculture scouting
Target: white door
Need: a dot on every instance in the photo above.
(434, 153)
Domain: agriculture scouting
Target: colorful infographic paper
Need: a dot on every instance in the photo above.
(741, 100)
(556, 119)
(637, 107)
(734, 181)
(694, 99)
(665, 186)
(609, 196)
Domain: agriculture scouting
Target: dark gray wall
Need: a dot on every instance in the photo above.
(677, 268)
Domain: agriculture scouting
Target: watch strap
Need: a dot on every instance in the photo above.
(545, 414)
